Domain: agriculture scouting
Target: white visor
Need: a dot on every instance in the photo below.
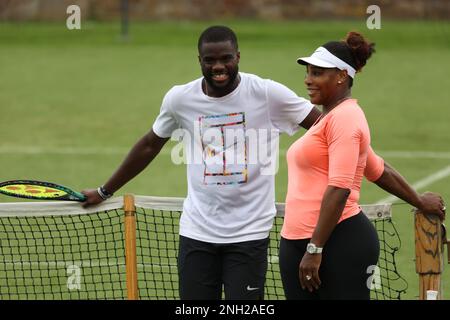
(325, 59)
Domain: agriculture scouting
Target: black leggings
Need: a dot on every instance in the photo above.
(347, 262)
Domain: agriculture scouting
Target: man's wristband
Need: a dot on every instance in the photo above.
(103, 193)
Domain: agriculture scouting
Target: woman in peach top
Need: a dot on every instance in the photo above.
(326, 167)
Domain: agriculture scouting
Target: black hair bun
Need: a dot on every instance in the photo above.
(361, 49)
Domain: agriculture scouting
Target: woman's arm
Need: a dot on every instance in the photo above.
(331, 209)
(387, 178)
(392, 182)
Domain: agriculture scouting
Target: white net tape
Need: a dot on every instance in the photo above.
(57, 208)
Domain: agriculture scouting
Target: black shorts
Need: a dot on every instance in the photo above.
(203, 268)
(348, 260)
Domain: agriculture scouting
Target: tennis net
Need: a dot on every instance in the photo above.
(54, 250)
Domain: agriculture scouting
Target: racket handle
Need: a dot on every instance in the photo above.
(78, 196)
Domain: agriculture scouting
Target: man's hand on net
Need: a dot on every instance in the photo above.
(92, 196)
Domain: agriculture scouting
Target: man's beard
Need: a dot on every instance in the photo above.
(232, 77)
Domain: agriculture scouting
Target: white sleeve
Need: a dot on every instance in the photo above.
(287, 110)
(165, 123)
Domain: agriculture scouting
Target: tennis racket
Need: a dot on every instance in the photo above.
(39, 190)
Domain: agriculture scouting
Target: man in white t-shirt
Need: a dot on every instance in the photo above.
(229, 122)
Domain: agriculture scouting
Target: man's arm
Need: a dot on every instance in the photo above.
(139, 157)
(311, 118)
(390, 180)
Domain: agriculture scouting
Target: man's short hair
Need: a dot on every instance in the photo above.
(218, 34)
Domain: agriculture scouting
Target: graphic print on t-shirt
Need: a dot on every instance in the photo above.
(224, 148)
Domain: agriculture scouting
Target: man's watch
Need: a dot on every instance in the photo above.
(103, 193)
(311, 248)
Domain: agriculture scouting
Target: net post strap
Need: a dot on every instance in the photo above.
(429, 255)
(130, 247)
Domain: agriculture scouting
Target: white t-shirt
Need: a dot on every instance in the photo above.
(231, 143)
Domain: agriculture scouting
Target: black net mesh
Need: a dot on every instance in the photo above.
(63, 257)
(157, 251)
(83, 257)
(391, 284)
(157, 245)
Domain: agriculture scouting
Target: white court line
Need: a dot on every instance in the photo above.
(33, 150)
(439, 175)
(405, 154)
(415, 154)
(30, 150)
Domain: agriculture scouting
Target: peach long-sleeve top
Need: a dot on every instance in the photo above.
(333, 152)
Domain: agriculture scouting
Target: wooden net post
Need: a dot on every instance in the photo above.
(130, 247)
(429, 255)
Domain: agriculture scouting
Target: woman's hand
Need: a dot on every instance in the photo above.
(309, 271)
(432, 203)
